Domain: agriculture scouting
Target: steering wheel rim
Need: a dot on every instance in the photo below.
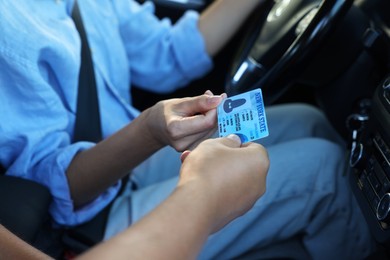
(321, 18)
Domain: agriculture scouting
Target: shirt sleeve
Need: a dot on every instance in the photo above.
(162, 56)
(36, 124)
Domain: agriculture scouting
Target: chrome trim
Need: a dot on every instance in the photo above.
(248, 65)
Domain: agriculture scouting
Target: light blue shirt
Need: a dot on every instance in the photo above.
(39, 66)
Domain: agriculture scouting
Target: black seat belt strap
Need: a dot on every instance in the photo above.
(87, 126)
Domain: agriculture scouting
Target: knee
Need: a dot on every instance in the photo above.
(305, 116)
(308, 158)
(316, 122)
(308, 112)
(319, 150)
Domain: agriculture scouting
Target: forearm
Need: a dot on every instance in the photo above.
(11, 247)
(221, 20)
(92, 171)
(177, 229)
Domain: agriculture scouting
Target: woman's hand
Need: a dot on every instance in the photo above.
(230, 175)
(183, 123)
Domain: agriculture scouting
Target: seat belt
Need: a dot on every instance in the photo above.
(87, 126)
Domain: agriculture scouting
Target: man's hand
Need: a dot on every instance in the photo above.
(233, 175)
(219, 181)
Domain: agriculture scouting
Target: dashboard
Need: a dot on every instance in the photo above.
(370, 161)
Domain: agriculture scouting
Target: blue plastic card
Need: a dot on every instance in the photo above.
(243, 115)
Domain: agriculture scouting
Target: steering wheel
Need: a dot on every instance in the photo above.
(281, 43)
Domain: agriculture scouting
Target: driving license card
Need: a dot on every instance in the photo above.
(243, 115)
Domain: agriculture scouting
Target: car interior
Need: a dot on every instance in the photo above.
(334, 54)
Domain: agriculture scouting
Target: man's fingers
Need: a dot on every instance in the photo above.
(184, 155)
(232, 141)
(209, 93)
